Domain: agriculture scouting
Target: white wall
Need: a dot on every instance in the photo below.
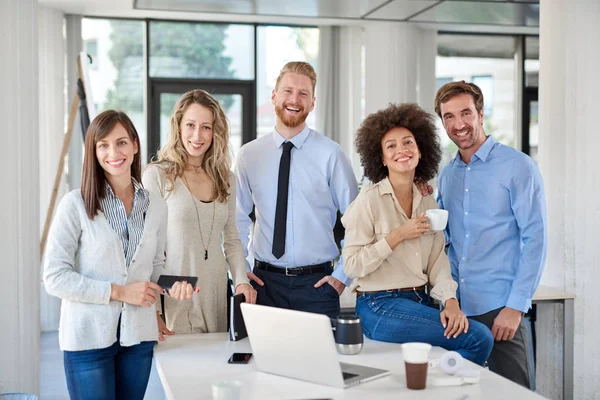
(427, 53)
(52, 130)
(74, 43)
(19, 203)
(351, 91)
(339, 87)
(399, 65)
(568, 157)
(391, 64)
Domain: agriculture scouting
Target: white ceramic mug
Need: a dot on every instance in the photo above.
(438, 218)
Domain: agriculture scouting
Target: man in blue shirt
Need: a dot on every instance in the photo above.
(496, 228)
(297, 180)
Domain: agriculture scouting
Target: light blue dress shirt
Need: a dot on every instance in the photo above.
(496, 227)
(321, 182)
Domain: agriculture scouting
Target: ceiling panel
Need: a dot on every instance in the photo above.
(402, 9)
(478, 46)
(486, 13)
(305, 8)
(500, 1)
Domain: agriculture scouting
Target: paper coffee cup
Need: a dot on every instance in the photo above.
(416, 360)
(438, 219)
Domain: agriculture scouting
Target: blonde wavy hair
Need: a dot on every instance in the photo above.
(173, 156)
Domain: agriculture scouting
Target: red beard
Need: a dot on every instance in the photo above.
(288, 120)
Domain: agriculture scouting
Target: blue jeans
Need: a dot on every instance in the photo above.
(112, 373)
(401, 317)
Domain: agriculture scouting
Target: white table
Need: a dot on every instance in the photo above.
(549, 295)
(189, 364)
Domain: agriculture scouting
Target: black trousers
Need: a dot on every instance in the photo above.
(297, 293)
(510, 358)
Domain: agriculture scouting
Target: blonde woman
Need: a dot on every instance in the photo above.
(193, 175)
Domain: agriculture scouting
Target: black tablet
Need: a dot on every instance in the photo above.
(237, 328)
(166, 281)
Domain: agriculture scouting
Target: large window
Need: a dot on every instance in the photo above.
(197, 55)
(117, 71)
(489, 62)
(189, 55)
(201, 50)
(530, 100)
(486, 84)
(532, 61)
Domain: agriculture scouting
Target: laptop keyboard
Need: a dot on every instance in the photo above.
(348, 375)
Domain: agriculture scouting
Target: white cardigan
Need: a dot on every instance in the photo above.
(83, 257)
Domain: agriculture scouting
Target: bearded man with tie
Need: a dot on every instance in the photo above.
(296, 179)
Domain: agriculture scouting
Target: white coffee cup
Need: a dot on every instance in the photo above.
(226, 390)
(437, 218)
(416, 361)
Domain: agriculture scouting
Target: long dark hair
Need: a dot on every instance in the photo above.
(93, 182)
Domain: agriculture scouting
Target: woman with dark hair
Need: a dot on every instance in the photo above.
(389, 249)
(105, 252)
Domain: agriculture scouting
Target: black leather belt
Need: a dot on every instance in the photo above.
(295, 271)
(408, 289)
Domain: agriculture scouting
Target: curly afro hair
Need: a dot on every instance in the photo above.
(410, 116)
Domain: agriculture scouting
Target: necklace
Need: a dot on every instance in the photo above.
(197, 168)
(205, 246)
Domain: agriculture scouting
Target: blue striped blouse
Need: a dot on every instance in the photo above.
(129, 229)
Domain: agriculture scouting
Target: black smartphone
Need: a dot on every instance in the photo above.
(239, 358)
(167, 281)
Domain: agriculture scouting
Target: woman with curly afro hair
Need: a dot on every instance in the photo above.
(389, 248)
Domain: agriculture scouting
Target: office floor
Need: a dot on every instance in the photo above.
(53, 385)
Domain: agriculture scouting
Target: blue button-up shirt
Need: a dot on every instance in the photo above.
(321, 182)
(496, 227)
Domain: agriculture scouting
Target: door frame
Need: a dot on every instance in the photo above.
(158, 86)
(529, 94)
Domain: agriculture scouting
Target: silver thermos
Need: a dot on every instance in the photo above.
(348, 334)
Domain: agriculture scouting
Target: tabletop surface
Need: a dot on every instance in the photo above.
(547, 293)
(189, 364)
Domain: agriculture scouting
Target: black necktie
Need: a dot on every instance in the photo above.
(282, 201)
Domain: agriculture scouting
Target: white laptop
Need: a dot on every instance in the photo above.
(300, 345)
